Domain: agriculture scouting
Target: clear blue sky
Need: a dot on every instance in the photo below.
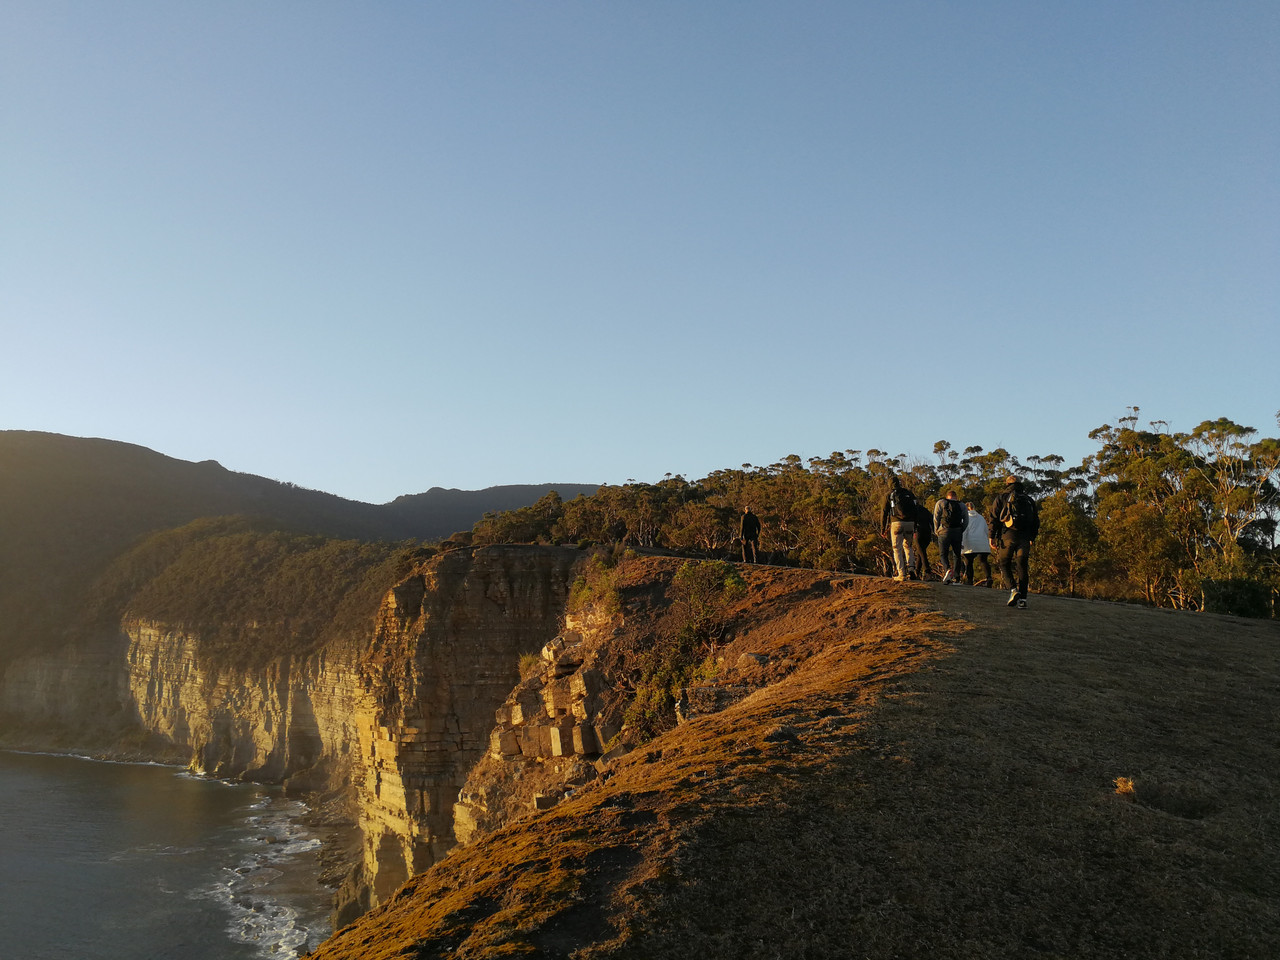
(372, 248)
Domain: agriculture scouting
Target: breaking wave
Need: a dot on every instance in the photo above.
(269, 907)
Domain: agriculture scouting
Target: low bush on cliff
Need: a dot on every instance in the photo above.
(701, 594)
(666, 669)
(596, 587)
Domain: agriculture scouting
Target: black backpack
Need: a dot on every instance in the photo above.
(955, 513)
(1020, 512)
(903, 503)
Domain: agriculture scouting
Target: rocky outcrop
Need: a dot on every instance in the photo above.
(71, 698)
(550, 736)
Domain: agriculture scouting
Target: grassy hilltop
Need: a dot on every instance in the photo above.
(920, 772)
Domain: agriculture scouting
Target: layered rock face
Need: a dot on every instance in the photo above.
(444, 656)
(292, 722)
(398, 719)
(74, 692)
(551, 734)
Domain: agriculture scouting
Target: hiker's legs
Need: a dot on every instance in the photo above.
(1004, 560)
(921, 561)
(902, 535)
(1022, 556)
(952, 557)
(986, 565)
(748, 551)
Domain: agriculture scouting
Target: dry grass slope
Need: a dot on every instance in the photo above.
(933, 775)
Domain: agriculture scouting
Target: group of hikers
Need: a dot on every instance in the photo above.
(964, 536)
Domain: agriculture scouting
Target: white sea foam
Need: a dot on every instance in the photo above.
(85, 756)
(263, 909)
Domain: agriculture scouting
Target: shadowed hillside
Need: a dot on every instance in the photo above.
(68, 506)
(919, 772)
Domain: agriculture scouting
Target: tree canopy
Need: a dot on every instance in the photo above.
(1185, 520)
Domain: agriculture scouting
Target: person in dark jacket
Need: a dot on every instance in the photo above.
(898, 523)
(949, 520)
(749, 529)
(924, 537)
(1015, 523)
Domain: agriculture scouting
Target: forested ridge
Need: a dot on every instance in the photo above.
(1183, 520)
(70, 507)
(247, 591)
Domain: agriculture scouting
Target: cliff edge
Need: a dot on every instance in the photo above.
(871, 769)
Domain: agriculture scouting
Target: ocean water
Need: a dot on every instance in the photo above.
(111, 861)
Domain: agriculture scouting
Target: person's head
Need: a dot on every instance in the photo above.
(746, 509)
(968, 505)
(1011, 482)
(951, 494)
(895, 480)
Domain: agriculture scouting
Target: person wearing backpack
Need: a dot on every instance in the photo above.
(897, 522)
(750, 532)
(976, 546)
(924, 537)
(1015, 523)
(949, 521)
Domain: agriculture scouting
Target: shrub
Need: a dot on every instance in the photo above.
(530, 663)
(667, 667)
(702, 592)
(596, 587)
(1242, 598)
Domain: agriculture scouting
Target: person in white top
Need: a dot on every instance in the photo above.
(976, 545)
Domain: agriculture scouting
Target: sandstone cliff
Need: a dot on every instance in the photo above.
(394, 719)
(444, 655)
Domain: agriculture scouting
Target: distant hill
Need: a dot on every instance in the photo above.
(69, 505)
(439, 512)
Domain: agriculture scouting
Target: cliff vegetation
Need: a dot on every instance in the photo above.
(248, 593)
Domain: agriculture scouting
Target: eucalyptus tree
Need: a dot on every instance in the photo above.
(1237, 474)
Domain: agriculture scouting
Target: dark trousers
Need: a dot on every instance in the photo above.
(985, 559)
(949, 542)
(748, 551)
(923, 538)
(1014, 551)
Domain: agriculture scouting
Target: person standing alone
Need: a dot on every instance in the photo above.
(1015, 523)
(949, 520)
(897, 521)
(750, 532)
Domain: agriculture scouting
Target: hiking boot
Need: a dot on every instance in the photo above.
(1013, 598)
(1022, 604)
(947, 577)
